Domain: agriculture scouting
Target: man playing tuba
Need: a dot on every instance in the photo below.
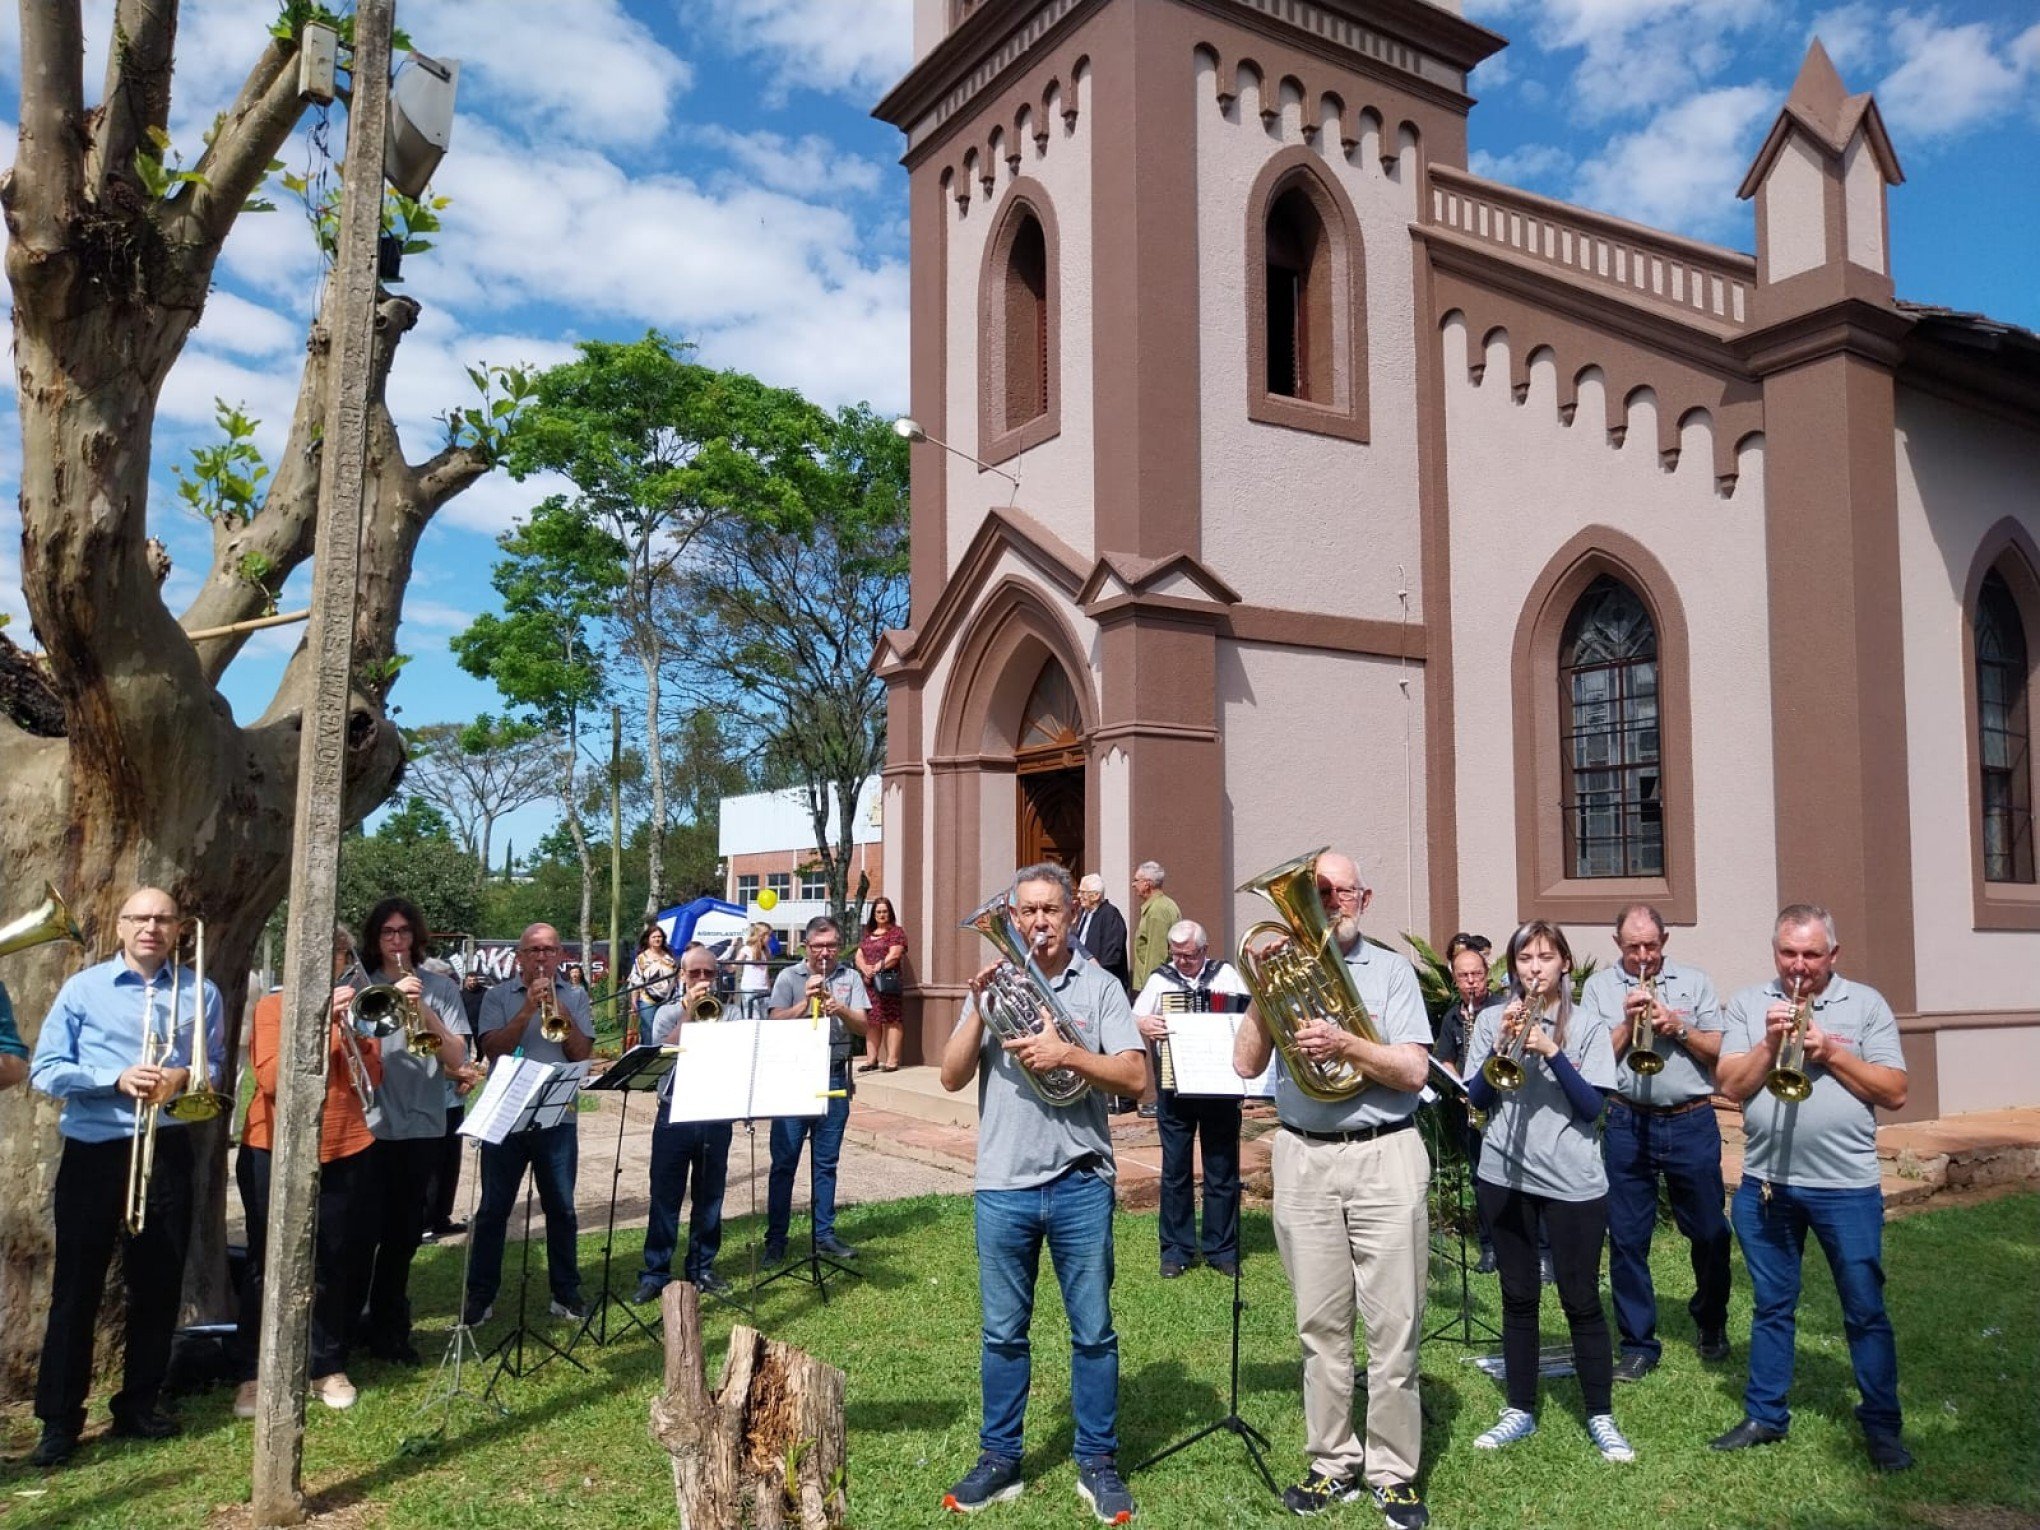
(1350, 1214)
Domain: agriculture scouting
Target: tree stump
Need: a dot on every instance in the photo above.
(767, 1448)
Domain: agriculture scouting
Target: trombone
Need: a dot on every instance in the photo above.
(142, 1142)
(200, 1101)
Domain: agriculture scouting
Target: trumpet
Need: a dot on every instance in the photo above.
(200, 1101)
(1788, 1079)
(707, 1007)
(1504, 1069)
(142, 1141)
(552, 1020)
(1644, 1057)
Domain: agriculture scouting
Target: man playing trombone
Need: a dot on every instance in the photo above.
(114, 1048)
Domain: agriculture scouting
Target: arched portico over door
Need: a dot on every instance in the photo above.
(1010, 771)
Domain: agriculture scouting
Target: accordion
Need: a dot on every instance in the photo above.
(1177, 1001)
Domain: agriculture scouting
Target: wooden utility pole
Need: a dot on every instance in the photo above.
(278, 1496)
(617, 976)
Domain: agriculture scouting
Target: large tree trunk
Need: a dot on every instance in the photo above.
(768, 1448)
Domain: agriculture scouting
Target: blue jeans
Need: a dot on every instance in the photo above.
(1215, 1123)
(645, 1012)
(1849, 1225)
(1074, 1215)
(788, 1133)
(701, 1150)
(1685, 1150)
(552, 1155)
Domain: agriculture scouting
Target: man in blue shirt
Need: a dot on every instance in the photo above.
(94, 1054)
(13, 1055)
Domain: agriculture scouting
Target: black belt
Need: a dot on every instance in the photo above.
(1361, 1134)
(1665, 1110)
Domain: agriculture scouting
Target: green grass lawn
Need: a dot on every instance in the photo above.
(574, 1451)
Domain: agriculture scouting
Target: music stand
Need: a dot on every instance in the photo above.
(1450, 1188)
(815, 1268)
(1201, 1044)
(639, 1071)
(523, 1095)
(462, 1352)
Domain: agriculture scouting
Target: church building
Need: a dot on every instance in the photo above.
(1285, 484)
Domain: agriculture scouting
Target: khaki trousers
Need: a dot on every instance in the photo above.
(1354, 1231)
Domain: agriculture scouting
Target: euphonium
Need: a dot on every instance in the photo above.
(1789, 1080)
(1644, 1057)
(200, 1101)
(1504, 1068)
(1297, 975)
(1015, 995)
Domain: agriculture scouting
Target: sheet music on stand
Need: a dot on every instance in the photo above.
(1442, 1084)
(642, 1068)
(1202, 1046)
(750, 1070)
(523, 1095)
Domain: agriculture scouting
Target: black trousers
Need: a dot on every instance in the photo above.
(445, 1186)
(91, 1202)
(399, 1173)
(1576, 1230)
(339, 1258)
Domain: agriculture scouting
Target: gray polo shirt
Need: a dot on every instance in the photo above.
(410, 1102)
(1686, 996)
(1388, 987)
(500, 1006)
(1828, 1141)
(845, 982)
(1534, 1142)
(1023, 1141)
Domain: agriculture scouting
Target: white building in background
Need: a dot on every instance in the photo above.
(767, 843)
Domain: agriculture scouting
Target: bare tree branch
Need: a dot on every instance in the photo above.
(45, 187)
(234, 163)
(137, 94)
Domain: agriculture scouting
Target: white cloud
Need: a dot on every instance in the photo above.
(1853, 35)
(494, 505)
(1953, 78)
(1681, 169)
(233, 324)
(1532, 165)
(435, 615)
(1637, 55)
(854, 48)
(808, 166)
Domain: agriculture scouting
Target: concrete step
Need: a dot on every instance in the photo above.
(917, 1093)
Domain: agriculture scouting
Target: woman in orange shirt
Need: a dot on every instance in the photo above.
(344, 1140)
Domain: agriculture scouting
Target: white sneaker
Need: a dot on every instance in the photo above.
(1608, 1439)
(1513, 1425)
(244, 1400)
(335, 1391)
(560, 1309)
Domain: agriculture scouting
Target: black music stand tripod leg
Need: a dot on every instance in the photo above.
(511, 1346)
(1255, 1441)
(598, 1312)
(814, 1269)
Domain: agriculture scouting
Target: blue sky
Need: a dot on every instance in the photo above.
(709, 167)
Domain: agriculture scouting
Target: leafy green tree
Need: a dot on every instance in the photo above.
(659, 449)
(782, 609)
(557, 579)
(432, 871)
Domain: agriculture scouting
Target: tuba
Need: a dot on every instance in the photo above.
(1789, 1080)
(1015, 995)
(1297, 975)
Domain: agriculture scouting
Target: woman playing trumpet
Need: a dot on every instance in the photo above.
(110, 1049)
(1541, 1170)
(353, 1071)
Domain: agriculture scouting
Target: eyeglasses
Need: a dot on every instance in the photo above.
(539, 950)
(161, 921)
(824, 947)
(395, 929)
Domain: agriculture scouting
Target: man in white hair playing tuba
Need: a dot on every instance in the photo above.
(1350, 1218)
(1044, 1174)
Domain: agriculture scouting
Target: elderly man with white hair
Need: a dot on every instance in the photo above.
(1191, 981)
(1101, 929)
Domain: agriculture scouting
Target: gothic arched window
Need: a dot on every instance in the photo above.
(1608, 728)
(2004, 733)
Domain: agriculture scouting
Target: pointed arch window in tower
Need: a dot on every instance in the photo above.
(2004, 733)
(1608, 725)
(1026, 328)
(1299, 298)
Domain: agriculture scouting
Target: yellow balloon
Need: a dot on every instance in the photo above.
(768, 900)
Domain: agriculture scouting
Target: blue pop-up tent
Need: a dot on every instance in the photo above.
(708, 920)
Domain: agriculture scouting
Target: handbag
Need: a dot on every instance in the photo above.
(887, 980)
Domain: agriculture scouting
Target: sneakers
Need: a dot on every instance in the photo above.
(648, 1289)
(244, 1400)
(993, 1480)
(1513, 1425)
(473, 1315)
(708, 1283)
(1105, 1491)
(1634, 1366)
(834, 1247)
(1319, 1491)
(572, 1311)
(334, 1390)
(1401, 1507)
(1172, 1270)
(1608, 1440)
(772, 1258)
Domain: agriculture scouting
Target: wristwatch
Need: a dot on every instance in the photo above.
(1680, 1034)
